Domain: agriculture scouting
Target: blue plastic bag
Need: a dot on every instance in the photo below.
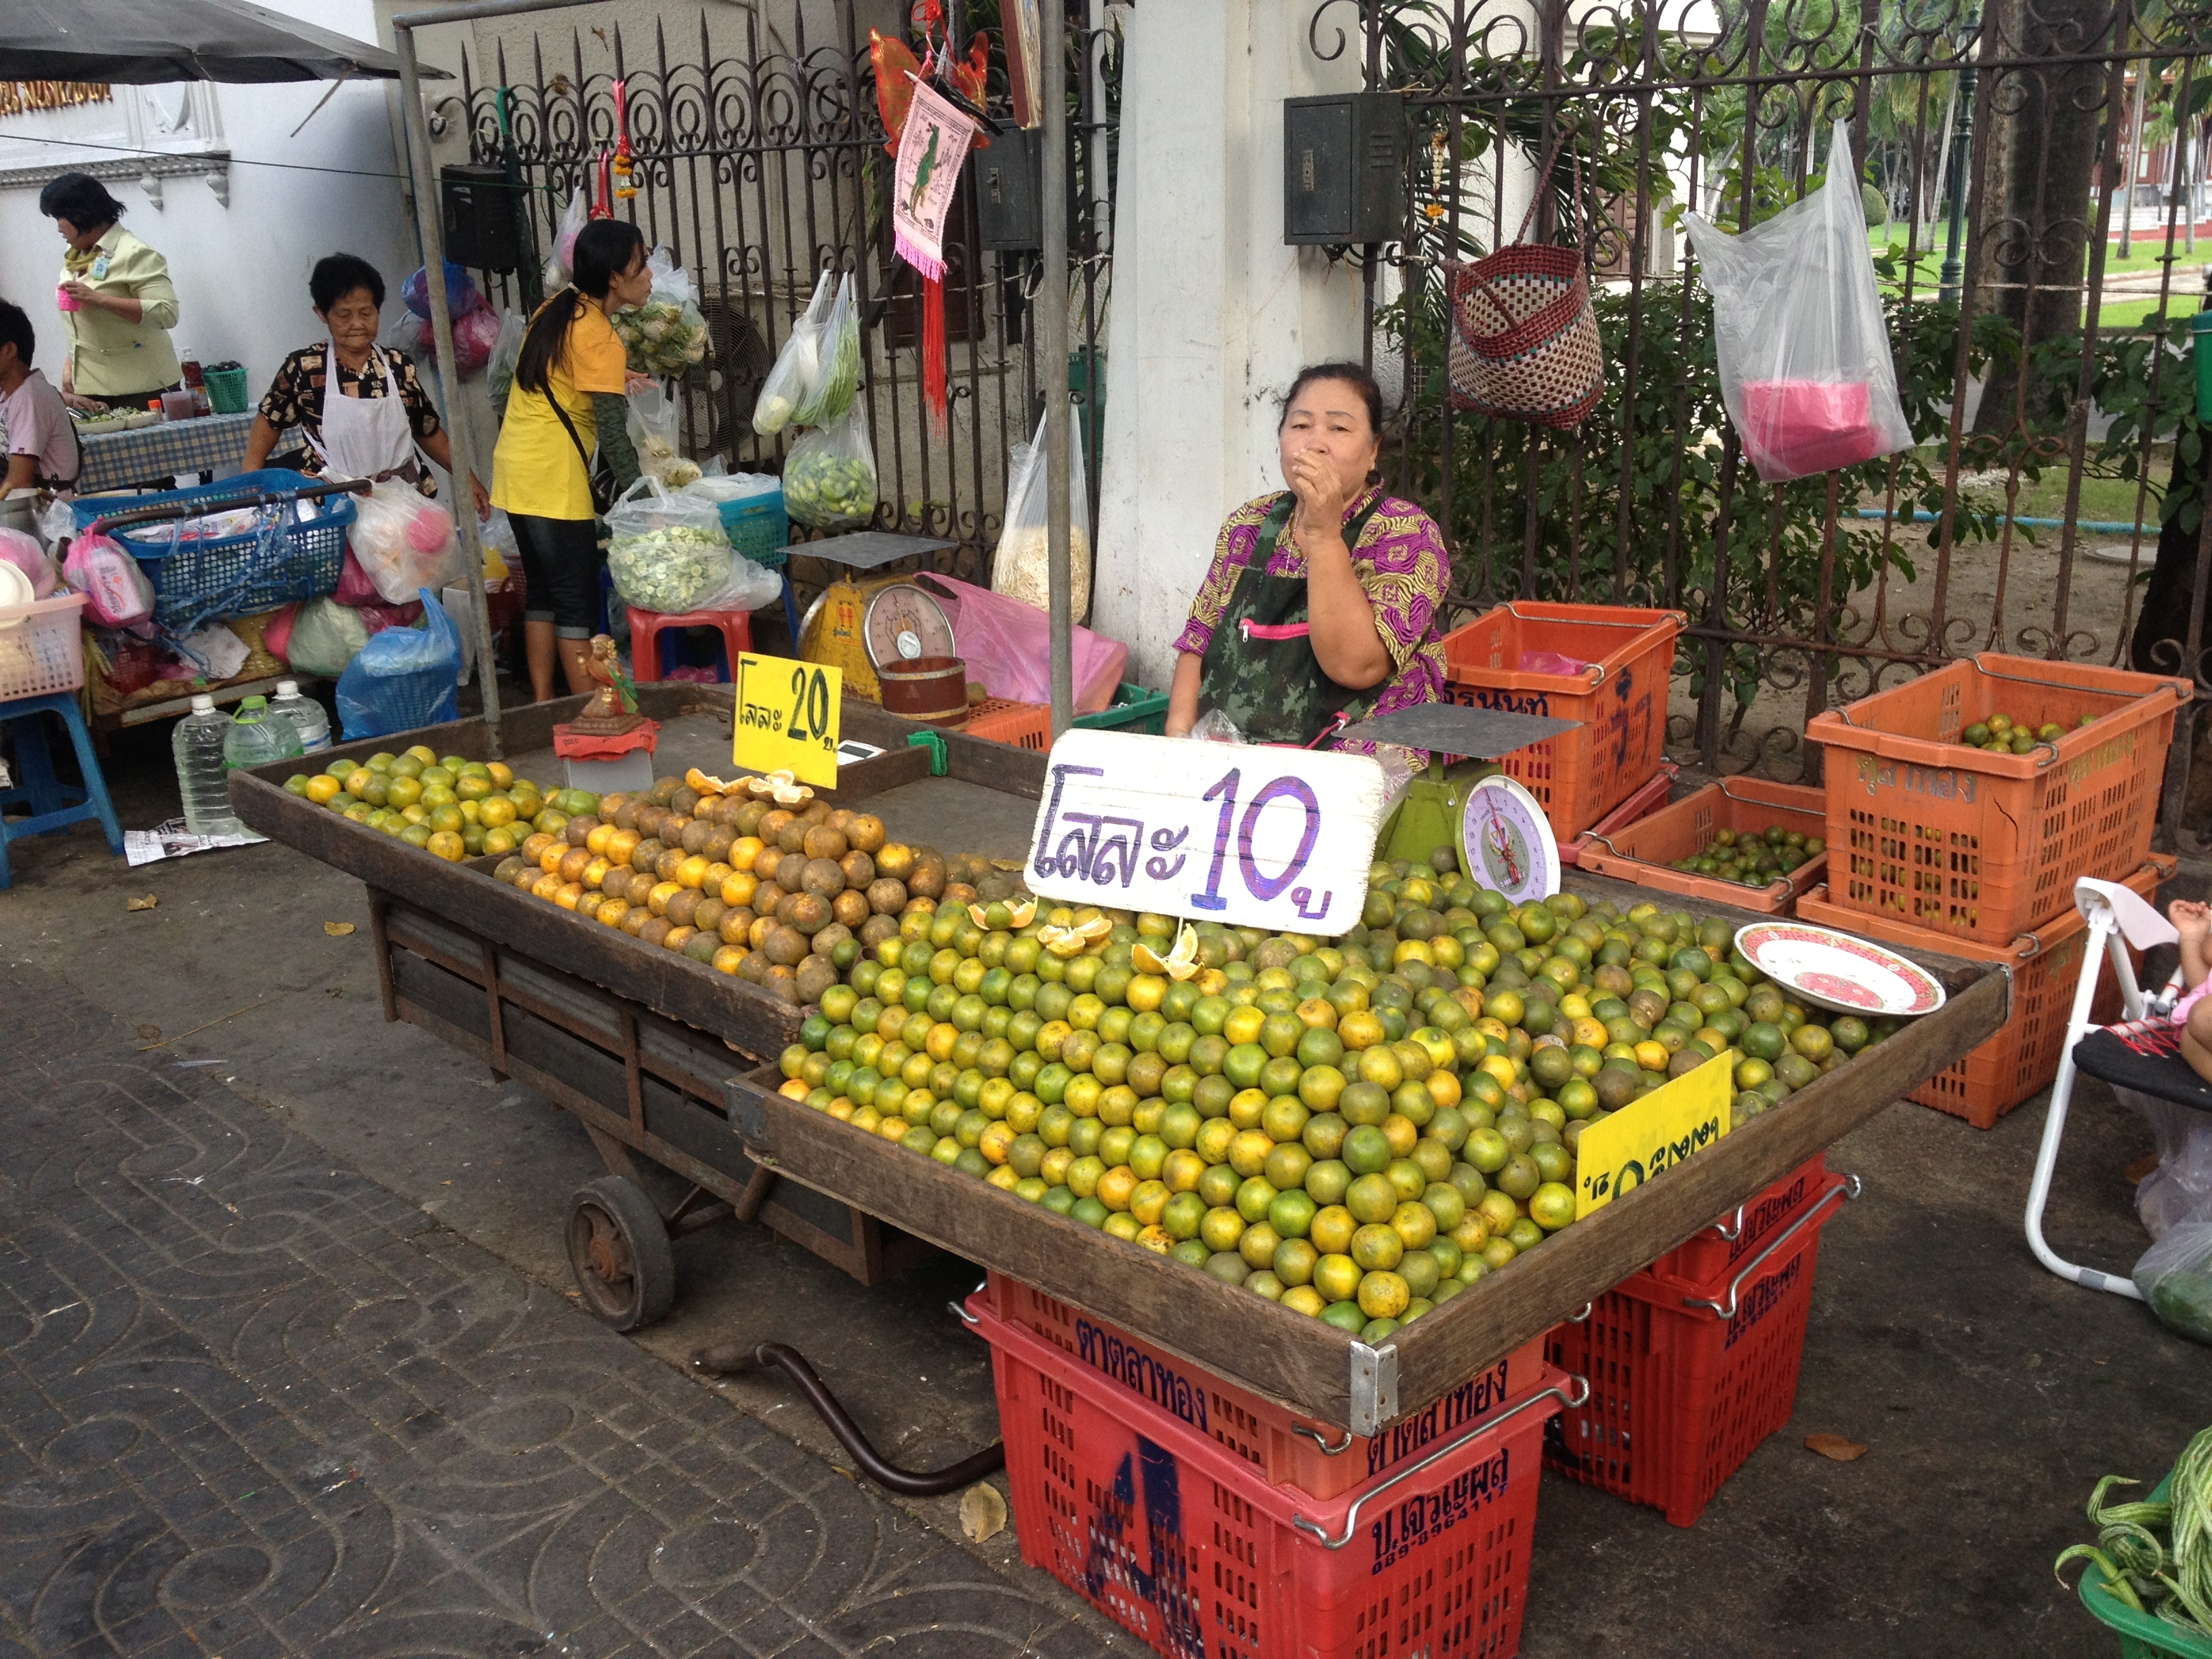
(460, 292)
(404, 677)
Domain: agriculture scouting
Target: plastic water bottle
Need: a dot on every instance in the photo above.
(199, 742)
(259, 735)
(306, 713)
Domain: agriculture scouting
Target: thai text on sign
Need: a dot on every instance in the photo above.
(1674, 1121)
(1255, 837)
(785, 718)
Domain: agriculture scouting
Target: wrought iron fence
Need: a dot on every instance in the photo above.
(761, 161)
(2043, 370)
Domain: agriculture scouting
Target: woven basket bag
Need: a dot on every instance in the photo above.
(1524, 339)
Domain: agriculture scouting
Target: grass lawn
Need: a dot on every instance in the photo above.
(2110, 500)
(2118, 313)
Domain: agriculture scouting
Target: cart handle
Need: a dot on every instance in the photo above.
(256, 497)
(1550, 1391)
(1849, 1188)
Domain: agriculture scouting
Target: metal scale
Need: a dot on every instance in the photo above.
(858, 626)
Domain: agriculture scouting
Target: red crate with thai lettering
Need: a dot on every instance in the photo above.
(1713, 1253)
(1287, 1449)
(1686, 1377)
(1186, 1546)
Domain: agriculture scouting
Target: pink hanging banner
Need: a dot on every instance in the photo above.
(931, 146)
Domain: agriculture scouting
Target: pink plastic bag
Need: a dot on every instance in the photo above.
(277, 632)
(27, 555)
(1007, 646)
(1796, 427)
(355, 587)
(116, 590)
(1551, 662)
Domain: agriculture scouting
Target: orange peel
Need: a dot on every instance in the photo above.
(1022, 914)
(1181, 962)
(700, 784)
(1072, 941)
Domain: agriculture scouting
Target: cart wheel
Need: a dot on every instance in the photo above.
(619, 1250)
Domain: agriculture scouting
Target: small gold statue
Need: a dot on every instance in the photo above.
(614, 709)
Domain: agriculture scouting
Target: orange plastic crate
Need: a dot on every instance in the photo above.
(1283, 1448)
(2046, 966)
(1644, 852)
(1927, 831)
(1028, 724)
(1621, 700)
(1640, 805)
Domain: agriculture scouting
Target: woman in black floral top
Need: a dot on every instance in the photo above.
(349, 296)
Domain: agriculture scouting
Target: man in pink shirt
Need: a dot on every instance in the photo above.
(42, 444)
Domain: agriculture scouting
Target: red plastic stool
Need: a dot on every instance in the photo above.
(645, 626)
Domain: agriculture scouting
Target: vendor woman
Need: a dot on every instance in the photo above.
(1322, 604)
(358, 408)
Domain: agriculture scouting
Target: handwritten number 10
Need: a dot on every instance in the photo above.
(809, 706)
(1261, 887)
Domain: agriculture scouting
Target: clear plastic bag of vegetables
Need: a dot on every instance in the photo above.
(666, 551)
(651, 422)
(829, 477)
(665, 335)
(559, 261)
(2175, 1277)
(839, 347)
(798, 368)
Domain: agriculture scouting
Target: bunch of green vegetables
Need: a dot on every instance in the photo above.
(2156, 1557)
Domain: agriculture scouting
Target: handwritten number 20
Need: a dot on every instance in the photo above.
(809, 706)
(1261, 887)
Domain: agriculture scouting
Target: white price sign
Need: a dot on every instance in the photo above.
(1256, 837)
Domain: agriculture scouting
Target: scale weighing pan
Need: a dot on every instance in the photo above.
(869, 550)
(1454, 728)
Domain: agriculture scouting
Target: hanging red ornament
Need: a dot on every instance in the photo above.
(936, 386)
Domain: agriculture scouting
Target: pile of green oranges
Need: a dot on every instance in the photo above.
(1356, 1128)
(2001, 734)
(1752, 858)
(450, 807)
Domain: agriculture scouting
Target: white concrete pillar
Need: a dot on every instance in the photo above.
(1212, 315)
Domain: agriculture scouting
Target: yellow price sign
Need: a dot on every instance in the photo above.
(786, 718)
(1671, 1123)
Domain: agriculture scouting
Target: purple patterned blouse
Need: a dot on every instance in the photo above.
(1399, 561)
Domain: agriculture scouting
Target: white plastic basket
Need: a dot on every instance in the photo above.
(41, 647)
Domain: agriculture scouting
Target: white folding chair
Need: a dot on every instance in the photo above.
(2139, 1055)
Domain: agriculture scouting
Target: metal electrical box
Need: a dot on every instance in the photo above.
(1343, 168)
(481, 209)
(1007, 183)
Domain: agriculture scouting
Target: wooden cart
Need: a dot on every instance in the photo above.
(662, 1107)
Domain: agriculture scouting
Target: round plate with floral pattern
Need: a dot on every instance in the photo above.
(1839, 971)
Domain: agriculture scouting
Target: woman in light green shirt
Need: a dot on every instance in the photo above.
(120, 353)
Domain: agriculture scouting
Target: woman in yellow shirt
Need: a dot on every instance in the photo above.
(568, 382)
(123, 304)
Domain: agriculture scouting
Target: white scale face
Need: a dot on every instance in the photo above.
(902, 623)
(1507, 842)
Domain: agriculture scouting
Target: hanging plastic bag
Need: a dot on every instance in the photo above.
(829, 477)
(506, 352)
(562, 259)
(325, 637)
(838, 348)
(460, 291)
(404, 677)
(797, 370)
(651, 421)
(666, 551)
(404, 542)
(116, 590)
(1022, 569)
(500, 552)
(666, 335)
(27, 555)
(476, 332)
(1805, 363)
(1007, 646)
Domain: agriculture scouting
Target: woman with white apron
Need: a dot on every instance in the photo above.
(371, 431)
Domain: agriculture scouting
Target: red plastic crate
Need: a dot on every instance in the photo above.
(1712, 1257)
(1686, 1379)
(2022, 1058)
(1285, 1449)
(1026, 724)
(1185, 1546)
(1621, 699)
(1925, 830)
(1651, 797)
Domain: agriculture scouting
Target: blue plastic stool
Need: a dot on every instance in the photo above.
(54, 806)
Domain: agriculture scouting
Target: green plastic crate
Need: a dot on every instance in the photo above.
(2142, 1636)
(1133, 709)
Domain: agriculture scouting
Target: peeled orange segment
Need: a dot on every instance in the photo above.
(980, 916)
(1096, 927)
(1146, 960)
(1022, 914)
(1179, 963)
(768, 783)
(699, 783)
(792, 794)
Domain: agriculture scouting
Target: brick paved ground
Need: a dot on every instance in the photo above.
(254, 1404)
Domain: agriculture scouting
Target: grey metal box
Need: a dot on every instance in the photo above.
(1008, 181)
(1343, 168)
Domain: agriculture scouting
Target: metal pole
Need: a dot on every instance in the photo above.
(1962, 136)
(429, 224)
(1051, 305)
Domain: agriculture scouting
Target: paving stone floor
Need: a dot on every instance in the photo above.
(252, 1403)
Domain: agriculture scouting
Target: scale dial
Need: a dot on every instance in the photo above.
(902, 623)
(1506, 842)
